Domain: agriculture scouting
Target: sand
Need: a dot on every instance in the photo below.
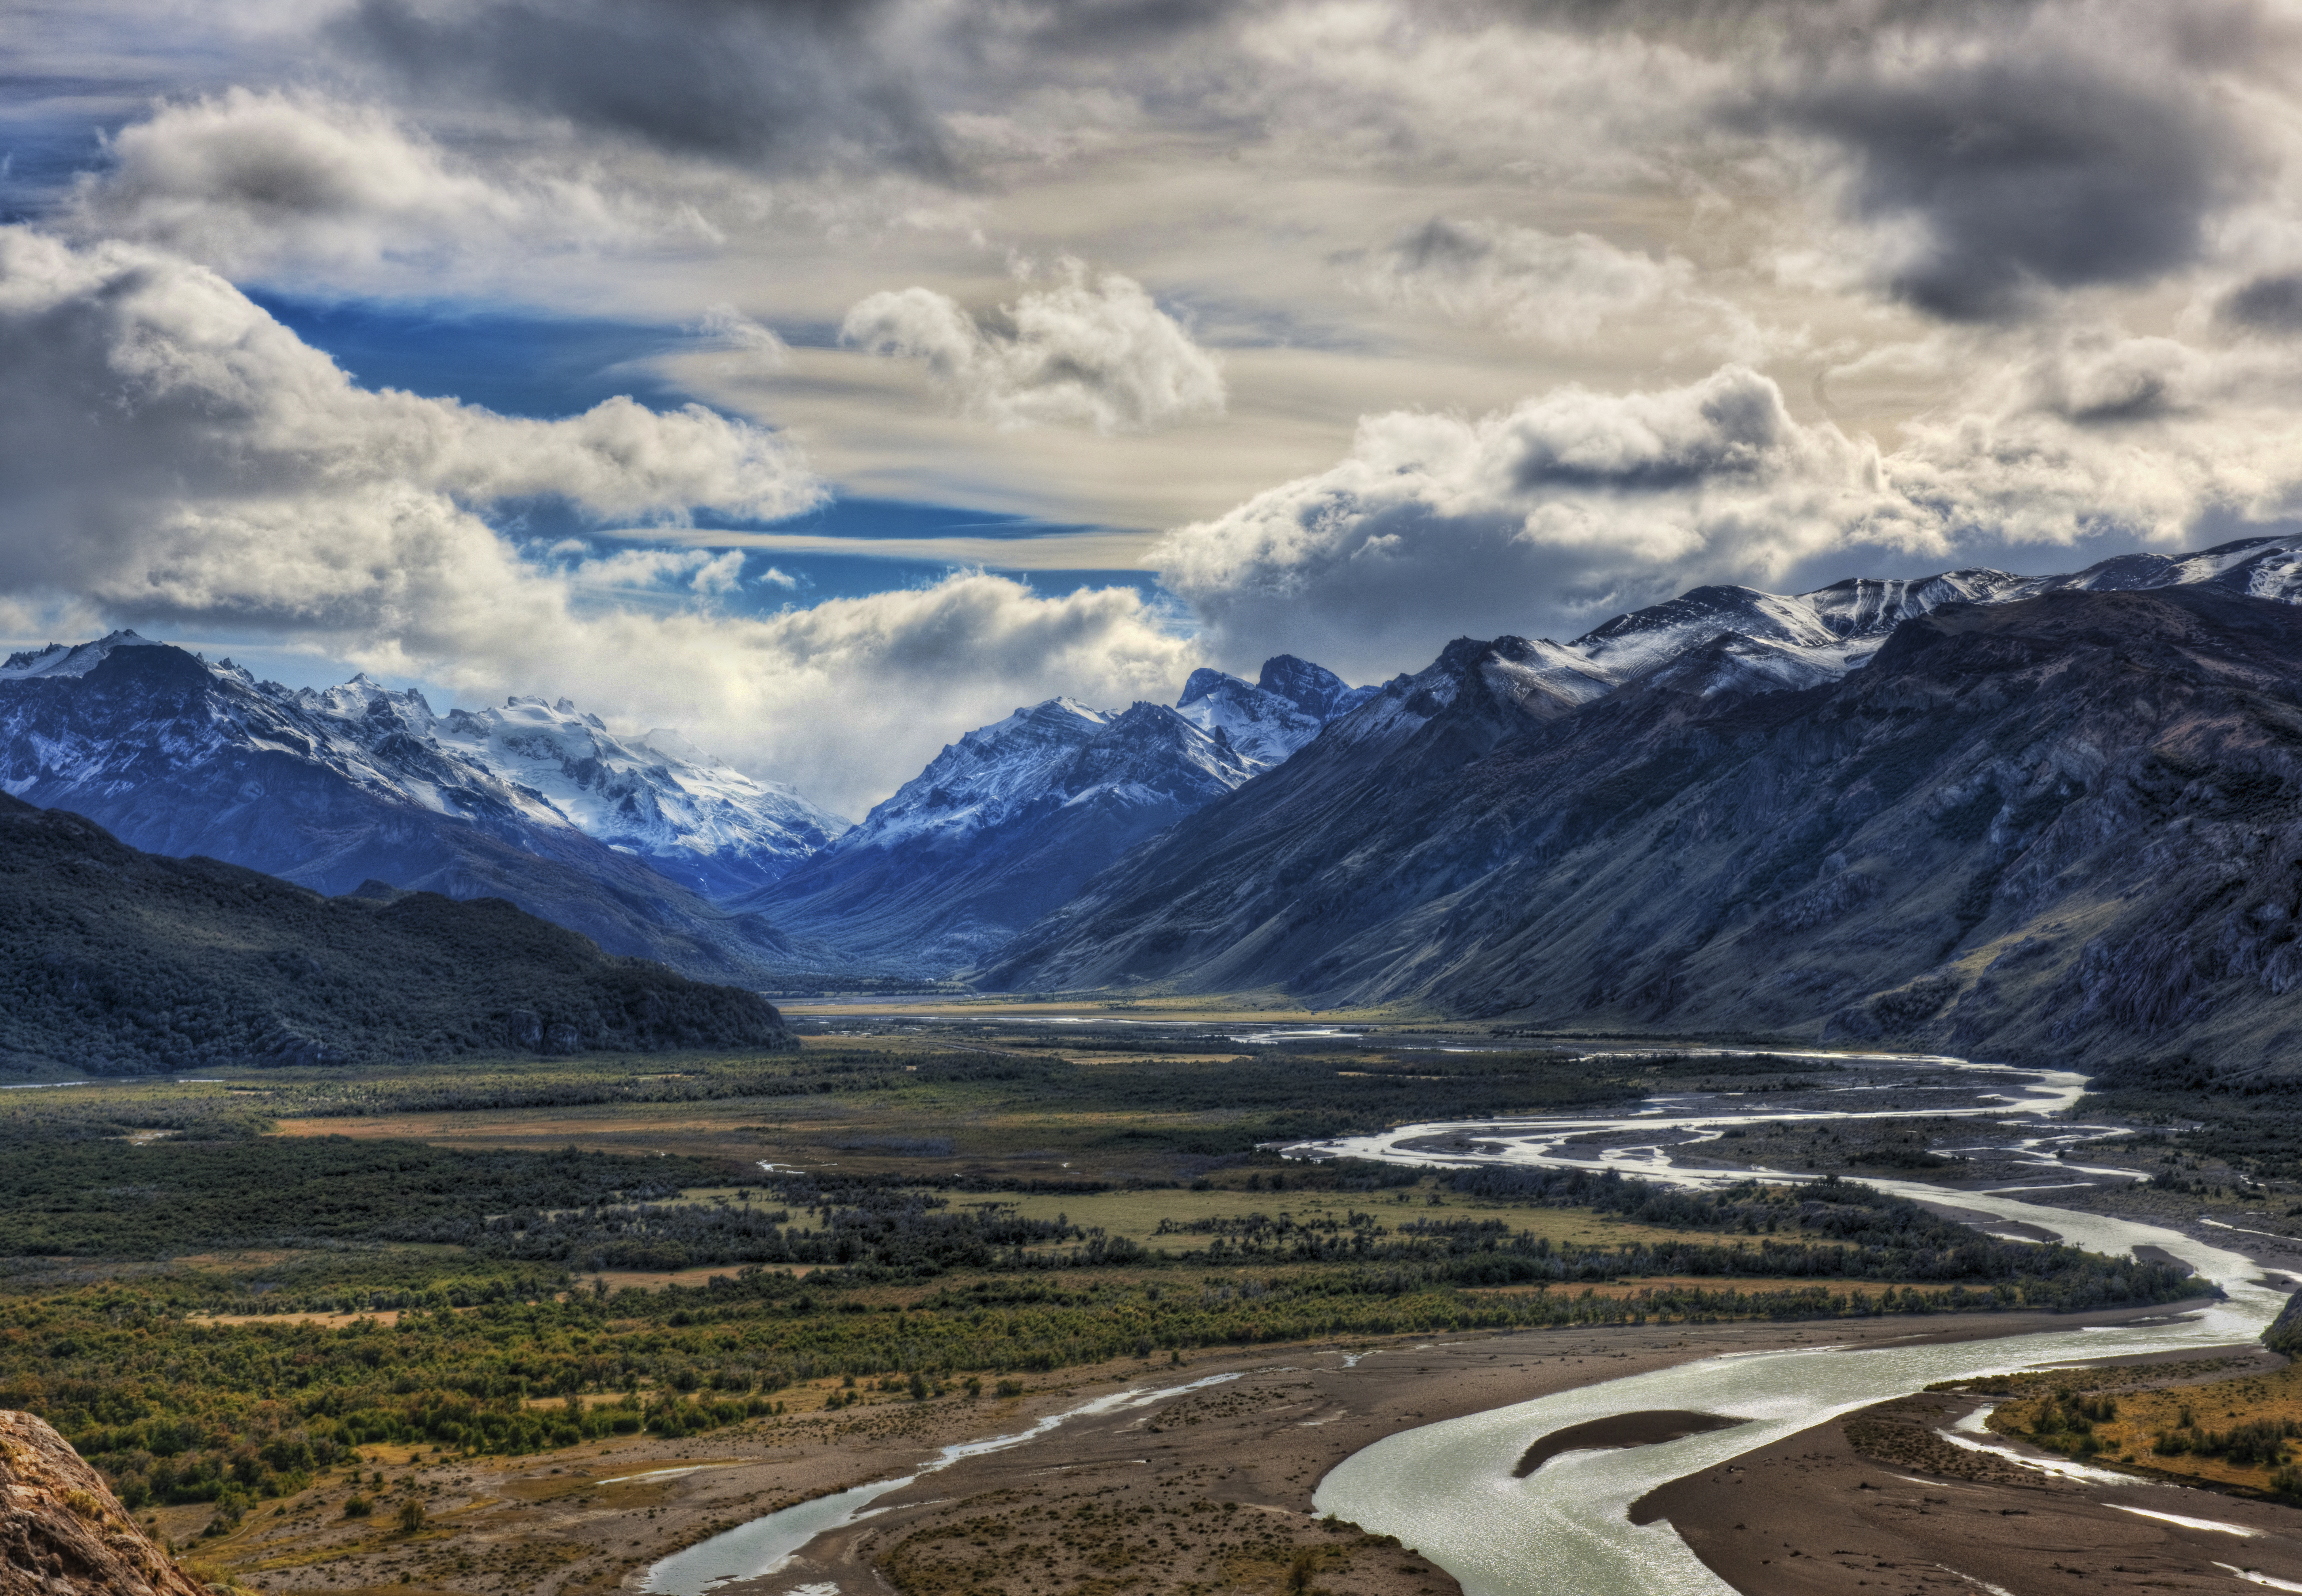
(1210, 1489)
(1621, 1429)
(1819, 1512)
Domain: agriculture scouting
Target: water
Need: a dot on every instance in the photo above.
(765, 1544)
(1447, 1489)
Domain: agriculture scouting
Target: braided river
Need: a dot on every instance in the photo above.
(1449, 1490)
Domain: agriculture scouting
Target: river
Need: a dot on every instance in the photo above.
(1448, 1490)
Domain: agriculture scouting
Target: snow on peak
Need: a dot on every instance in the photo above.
(71, 659)
(1270, 719)
(1264, 727)
(1061, 753)
(693, 817)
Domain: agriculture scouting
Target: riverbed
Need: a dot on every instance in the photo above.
(1449, 1490)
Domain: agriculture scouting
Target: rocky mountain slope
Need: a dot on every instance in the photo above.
(118, 961)
(61, 1531)
(330, 790)
(1009, 821)
(1267, 721)
(1797, 640)
(2067, 825)
(693, 817)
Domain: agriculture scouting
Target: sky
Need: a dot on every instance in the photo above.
(824, 378)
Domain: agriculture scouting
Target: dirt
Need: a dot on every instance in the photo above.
(1620, 1430)
(1207, 1490)
(1876, 1501)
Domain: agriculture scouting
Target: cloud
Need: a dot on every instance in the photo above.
(732, 331)
(2093, 431)
(781, 85)
(1083, 351)
(2271, 304)
(132, 380)
(278, 182)
(1576, 505)
(845, 699)
(629, 573)
(1557, 513)
(1557, 289)
(171, 457)
(1989, 156)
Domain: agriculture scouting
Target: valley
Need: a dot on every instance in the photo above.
(1168, 1110)
(1149, 1242)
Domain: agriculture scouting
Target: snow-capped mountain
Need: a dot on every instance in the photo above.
(1272, 717)
(1642, 828)
(697, 819)
(1801, 640)
(1010, 820)
(331, 789)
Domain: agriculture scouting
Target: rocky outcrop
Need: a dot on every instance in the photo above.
(61, 1531)
(2285, 1332)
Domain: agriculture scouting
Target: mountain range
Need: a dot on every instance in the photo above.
(540, 806)
(2035, 817)
(115, 962)
(1010, 820)
(1882, 810)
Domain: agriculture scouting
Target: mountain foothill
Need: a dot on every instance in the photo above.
(2028, 817)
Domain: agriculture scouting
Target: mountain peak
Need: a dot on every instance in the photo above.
(73, 660)
(1203, 681)
(1312, 688)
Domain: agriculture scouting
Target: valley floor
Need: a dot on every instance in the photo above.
(1849, 1506)
(1209, 1490)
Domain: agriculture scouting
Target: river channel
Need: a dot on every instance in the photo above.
(1449, 1490)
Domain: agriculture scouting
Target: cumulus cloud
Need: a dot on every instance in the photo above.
(1557, 513)
(263, 183)
(171, 457)
(2095, 432)
(1085, 350)
(1576, 505)
(130, 380)
(1555, 288)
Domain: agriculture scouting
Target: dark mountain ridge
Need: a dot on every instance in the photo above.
(2067, 826)
(117, 962)
(176, 756)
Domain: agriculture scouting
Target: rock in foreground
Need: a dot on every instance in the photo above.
(62, 1533)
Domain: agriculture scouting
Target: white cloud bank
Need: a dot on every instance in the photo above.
(171, 456)
(297, 185)
(1085, 350)
(1571, 508)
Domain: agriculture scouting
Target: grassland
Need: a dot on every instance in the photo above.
(2172, 1421)
(221, 1288)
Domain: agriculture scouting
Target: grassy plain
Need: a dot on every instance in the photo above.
(2173, 1421)
(241, 1293)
